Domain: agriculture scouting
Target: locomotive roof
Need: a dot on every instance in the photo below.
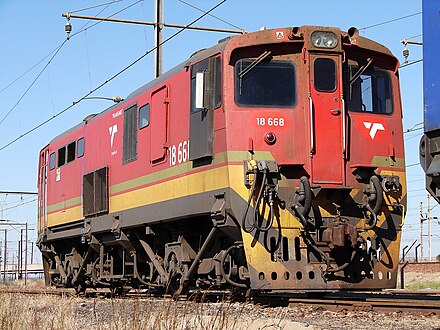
(197, 56)
(204, 53)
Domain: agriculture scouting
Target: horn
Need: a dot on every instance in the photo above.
(353, 34)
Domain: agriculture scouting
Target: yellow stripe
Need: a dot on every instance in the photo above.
(176, 188)
(64, 216)
(221, 158)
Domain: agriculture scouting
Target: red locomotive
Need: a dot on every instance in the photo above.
(272, 161)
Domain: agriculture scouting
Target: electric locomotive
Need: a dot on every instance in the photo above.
(272, 161)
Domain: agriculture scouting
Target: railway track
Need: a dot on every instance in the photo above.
(383, 302)
(418, 302)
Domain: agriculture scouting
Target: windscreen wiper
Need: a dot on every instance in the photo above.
(260, 58)
(360, 71)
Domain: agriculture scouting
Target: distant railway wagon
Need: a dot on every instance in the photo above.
(272, 161)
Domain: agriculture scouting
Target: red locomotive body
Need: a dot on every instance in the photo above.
(273, 161)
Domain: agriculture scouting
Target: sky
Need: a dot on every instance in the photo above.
(42, 73)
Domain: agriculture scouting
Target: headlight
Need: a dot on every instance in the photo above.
(322, 39)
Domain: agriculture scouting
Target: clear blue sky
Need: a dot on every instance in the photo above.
(30, 30)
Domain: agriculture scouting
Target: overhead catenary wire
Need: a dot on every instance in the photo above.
(57, 50)
(411, 63)
(389, 21)
(15, 202)
(411, 165)
(33, 82)
(85, 28)
(27, 71)
(413, 37)
(216, 17)
(414, 128)
(407, 138)
(108, 80)
(96, 6)
(20, 204)
(82, 29)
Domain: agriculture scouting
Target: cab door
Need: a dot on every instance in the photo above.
(159, 124)
(327, 120)
(205, 97)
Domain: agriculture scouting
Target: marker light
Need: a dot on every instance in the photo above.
(322, 39)
(270, 138)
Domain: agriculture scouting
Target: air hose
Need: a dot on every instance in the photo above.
(222, 269)
(376, 197)
(255, 224)
(243, 221)
(305, 195)
(257, 206)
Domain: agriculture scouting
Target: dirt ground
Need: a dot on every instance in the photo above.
(19, 311)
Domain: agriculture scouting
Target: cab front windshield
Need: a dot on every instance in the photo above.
(269, 83)
(367, 88)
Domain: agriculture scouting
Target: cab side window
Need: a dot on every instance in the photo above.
(144, 116)
(52, 160)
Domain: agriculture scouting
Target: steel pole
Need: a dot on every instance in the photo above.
(158, 37)
(32, 253)
(421, 230)
(429, 228)
(5, 261)
(26, 255)
(417, 255)
(19, 260)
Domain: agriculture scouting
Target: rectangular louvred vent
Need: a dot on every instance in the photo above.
(95, 192)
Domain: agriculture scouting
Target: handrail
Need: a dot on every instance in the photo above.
(312, 127)
(344, 133)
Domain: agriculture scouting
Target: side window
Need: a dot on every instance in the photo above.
(369, 91)
(52, 161)
(129, 148)
(61, 156)
(144, 116)
(71, 148)
(80, 148)
(212, 82)
(217, 82)
(324, 75)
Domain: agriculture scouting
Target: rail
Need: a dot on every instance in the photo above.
(417, 302)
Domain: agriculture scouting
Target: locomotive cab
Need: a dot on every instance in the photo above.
(325, 108)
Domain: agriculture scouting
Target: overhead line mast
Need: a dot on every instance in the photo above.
(158, 30)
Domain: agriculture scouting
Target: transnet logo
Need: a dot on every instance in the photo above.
(373, 127)
(112, 130)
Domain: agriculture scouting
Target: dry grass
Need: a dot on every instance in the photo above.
(20, 311)
(422, 281)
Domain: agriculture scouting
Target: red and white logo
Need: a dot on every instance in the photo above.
(374, 128)
(112, 131)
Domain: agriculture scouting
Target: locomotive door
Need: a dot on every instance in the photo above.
(159, 124)
(42, 188)
(204, 97)
(327, 116)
